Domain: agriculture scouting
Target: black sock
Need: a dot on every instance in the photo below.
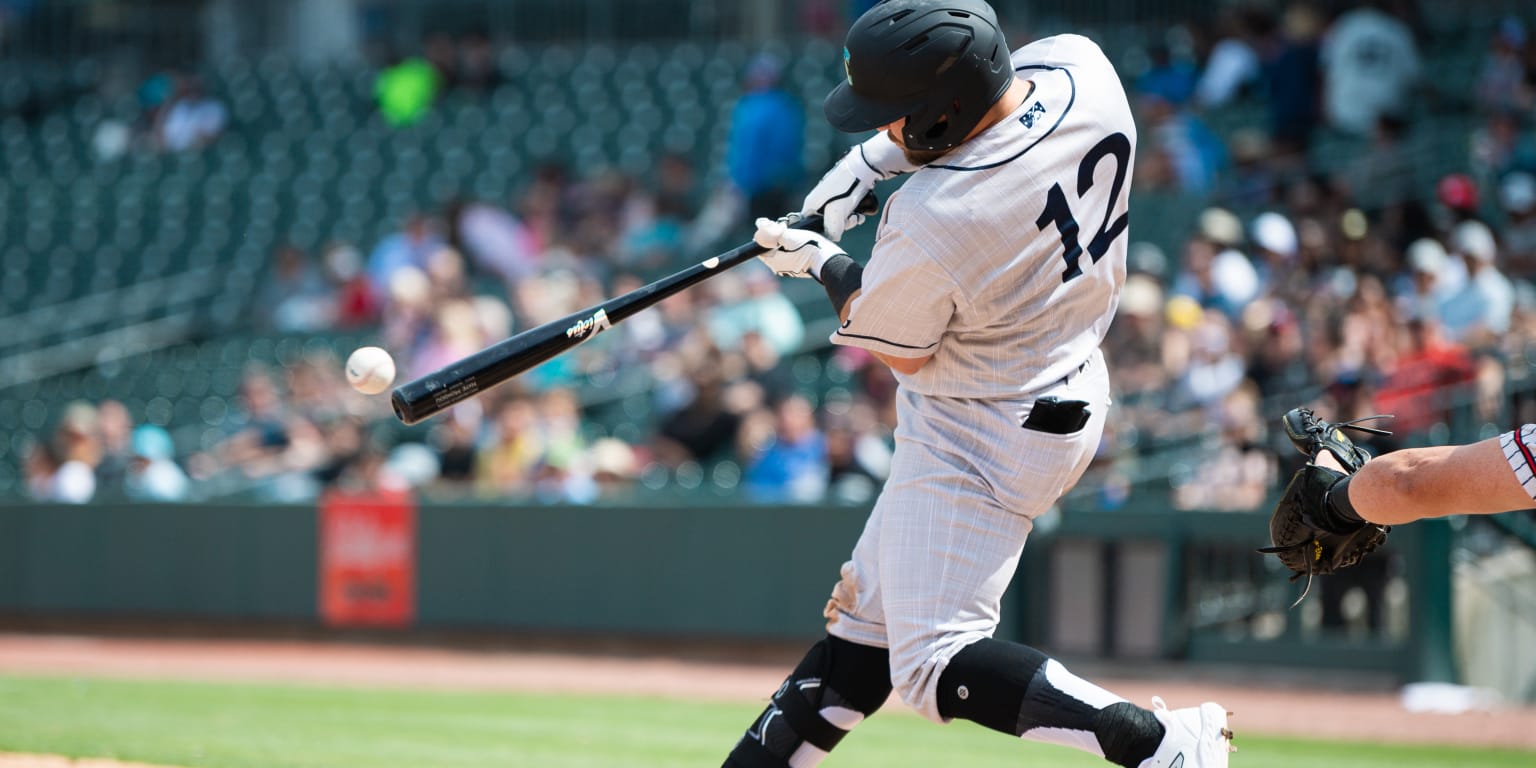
(1127, 733)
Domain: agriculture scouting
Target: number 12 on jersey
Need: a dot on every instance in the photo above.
(1058, 210)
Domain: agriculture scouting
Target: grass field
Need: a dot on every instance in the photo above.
(207, 725)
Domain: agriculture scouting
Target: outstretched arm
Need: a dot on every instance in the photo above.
(1339, 507)
(1436, 481)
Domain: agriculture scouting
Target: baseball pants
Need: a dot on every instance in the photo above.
(967, 481)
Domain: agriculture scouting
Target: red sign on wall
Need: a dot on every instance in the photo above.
(368, 559)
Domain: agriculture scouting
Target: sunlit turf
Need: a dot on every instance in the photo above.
(208, 725)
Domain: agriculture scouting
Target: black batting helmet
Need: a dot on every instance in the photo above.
(925, 60)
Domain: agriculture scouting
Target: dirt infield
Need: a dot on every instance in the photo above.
(55, 761)
(1259, 706)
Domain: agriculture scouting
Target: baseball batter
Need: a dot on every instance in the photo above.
(995, 273)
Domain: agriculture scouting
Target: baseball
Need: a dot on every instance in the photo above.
(370, 370)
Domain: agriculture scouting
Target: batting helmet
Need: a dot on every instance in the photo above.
(941, 64)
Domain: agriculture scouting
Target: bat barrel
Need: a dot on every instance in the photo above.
(408, 408)
(416, 401)
(401, 407)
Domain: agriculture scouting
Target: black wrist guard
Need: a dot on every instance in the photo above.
(842, 277)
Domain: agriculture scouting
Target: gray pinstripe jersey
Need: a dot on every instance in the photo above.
(1004, 259)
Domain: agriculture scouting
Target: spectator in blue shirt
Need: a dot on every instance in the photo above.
(764, 152)
(1171, 80)
(412, 246)
(793, 467)
(1295, 73)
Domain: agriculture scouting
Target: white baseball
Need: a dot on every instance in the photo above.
(370, 370)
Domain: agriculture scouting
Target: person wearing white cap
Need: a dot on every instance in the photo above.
(1517, 194)
(1422, 289)
(1215, 272)
(1484, 305)
(1275, 245)
(153, 474)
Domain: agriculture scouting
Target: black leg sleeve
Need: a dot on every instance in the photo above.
(834, 673)
(1004, 686)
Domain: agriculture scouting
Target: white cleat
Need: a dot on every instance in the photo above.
(1197, 737)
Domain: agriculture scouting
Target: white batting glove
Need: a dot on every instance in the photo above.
(836, 197)
(793, 252)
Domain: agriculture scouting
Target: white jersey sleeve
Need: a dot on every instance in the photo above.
(1004, 258)
(905, 302)
(1073, 51)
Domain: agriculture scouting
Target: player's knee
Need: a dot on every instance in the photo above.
(834, 688)
(915, 673)
(986, 681)
(859, 675)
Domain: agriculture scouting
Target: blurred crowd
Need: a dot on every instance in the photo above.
(709, 397)
(1357, 73)
(1362, 287)
(719, 406)
(175, 114)
(1358, 289)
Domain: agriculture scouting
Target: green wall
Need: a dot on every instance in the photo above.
(219, 562)
(749, 571)
(1114, 584)
(757, 571)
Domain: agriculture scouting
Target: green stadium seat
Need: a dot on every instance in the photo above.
(513, 62)
(555, 61)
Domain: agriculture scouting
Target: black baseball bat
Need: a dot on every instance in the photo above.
(416, 401)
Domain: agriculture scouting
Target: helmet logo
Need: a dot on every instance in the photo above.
(847, 70)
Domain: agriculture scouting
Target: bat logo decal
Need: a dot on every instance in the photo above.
(589, 327)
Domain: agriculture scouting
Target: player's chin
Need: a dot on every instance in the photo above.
(924, 156)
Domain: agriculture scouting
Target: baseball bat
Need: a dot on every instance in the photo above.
(415, 401)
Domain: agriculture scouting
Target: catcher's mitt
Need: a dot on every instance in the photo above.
(1308, 536)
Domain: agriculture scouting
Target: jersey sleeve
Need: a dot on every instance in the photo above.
(904, 304)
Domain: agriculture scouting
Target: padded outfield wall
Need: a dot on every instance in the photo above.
(1129, 585)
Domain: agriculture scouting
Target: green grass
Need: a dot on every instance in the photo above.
(206, 725)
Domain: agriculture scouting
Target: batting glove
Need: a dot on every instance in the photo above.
(793, 252)
(836, 197)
